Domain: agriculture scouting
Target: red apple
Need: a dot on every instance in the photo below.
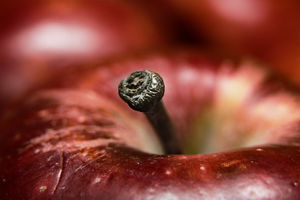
(266, 29)
(41, 38)
(79, 141)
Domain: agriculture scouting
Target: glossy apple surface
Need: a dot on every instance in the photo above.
(40, 38)
(77, 140)
(265, 29)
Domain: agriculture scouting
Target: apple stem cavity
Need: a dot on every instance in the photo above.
(143, 91)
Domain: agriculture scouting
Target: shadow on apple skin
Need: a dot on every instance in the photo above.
(70, 142)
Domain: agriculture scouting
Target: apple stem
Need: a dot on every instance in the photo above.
(163, 126)
(143, 91)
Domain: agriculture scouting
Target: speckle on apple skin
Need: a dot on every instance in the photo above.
(202, 168)
(43, 188)
(93, 163)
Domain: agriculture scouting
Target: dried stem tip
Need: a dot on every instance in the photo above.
(143, 91)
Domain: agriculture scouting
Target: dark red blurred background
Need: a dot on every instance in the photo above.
(41, 40)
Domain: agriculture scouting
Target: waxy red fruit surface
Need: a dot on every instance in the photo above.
(77, 140)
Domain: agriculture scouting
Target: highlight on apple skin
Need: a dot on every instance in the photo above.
(77, 139)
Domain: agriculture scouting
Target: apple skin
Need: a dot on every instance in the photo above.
(266, 30)
(43, 38)
(76, 140)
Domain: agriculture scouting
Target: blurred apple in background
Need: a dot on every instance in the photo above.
(267, 30)
(40, 38)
